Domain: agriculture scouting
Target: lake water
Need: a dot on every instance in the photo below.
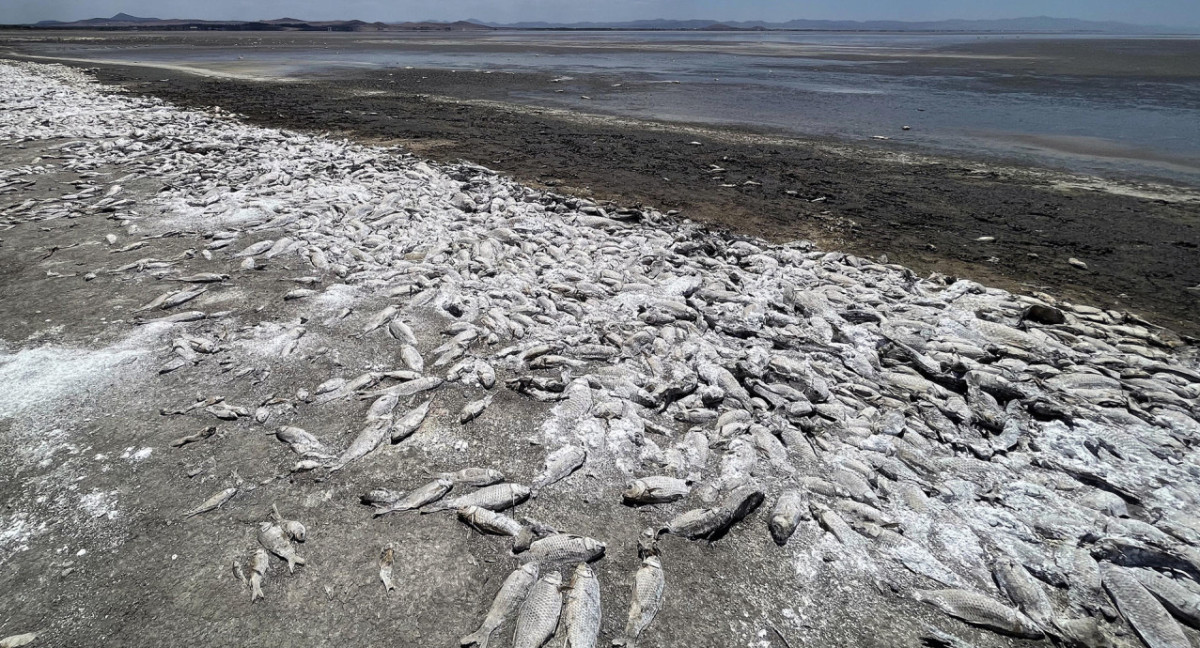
(1113, 106)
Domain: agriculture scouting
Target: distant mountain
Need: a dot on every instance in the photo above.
(1041, 24)
(123, 21)
(1037, 24)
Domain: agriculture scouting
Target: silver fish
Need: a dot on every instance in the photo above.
(260, 564)
(655, 490)
(539, 614)
(1024, 591)
(1147, 616)
(649, 585)
(473, 409)
(408, 424)
(486, 521)
(427, 494)
(379, 319)
(273, 538)
(476, 477)
(979, 610)
(790, 509)
(402, 332)
(581, 612)
(508, 599)
(302, 443)
(212, 503)
(291, 528)
(564, 549)
(1179, 601)
(412, 358)
(386, 559)
(493, 498)
(366, 441)
(559, 464)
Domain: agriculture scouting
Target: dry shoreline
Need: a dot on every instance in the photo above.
(1141, 242)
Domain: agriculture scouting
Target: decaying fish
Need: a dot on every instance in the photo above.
(790, 509)
(371, 436)
(563, 549)
(302, 443)
(649, 585)
(408, 424)
(291, 528)
(655, 490)
(486, 521)
(512, 593)
(427, 494)
(473, 409)
(559, 464)
(212, 503)
(386, 559)
(194, 438)
(476, 477)
(493, 498)
(1147, 616)
(581, 612)
(273, 538)
(539, 614)
(979, 610)
(260, 564)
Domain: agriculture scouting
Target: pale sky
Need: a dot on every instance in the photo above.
(1165, 12)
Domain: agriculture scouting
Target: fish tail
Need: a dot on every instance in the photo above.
(256, 592)
(479, 639)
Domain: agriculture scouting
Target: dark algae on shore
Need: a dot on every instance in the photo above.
(958, 217)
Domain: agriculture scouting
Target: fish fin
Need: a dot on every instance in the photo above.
(478, 639)
(256, 592)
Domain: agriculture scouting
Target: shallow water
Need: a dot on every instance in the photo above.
(1064, 101)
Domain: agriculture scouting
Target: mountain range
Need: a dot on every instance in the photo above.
(1043, 24)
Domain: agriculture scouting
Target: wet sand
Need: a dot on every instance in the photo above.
(1141, 245)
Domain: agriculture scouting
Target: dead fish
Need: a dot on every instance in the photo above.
(476, 477)
(379, 498)
(1024, 591)
(16, 641)
(559, 464)
(649, 585)
(581, 612)
(386, 559)
(273, 538)
(227, 412)
(181, 298)
(412, 358)
(655, 490)
(473, 409)
(1178, 600)
(260, 564)
(301, 442)
(213, 503)
(402, 332)
(486, 521)
(486, 374)
(366, 441)
(790, 508)
(194, 438)
(379, 319)
(564, 548)
(979, 610)
(292, 528)
(512, 593)
(427, 494)
(299, 293)
(408, 424)
(534, 530)
(539, 614)
(1147, 616)
(203, 277)
(410, 388)
(382, 408)
(255, 248)
(493, 498)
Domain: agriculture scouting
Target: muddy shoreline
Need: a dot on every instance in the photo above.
(1142, 254)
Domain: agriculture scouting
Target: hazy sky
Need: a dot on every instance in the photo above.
(1169, 12)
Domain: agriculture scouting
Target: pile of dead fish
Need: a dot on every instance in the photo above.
(1021, 464)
